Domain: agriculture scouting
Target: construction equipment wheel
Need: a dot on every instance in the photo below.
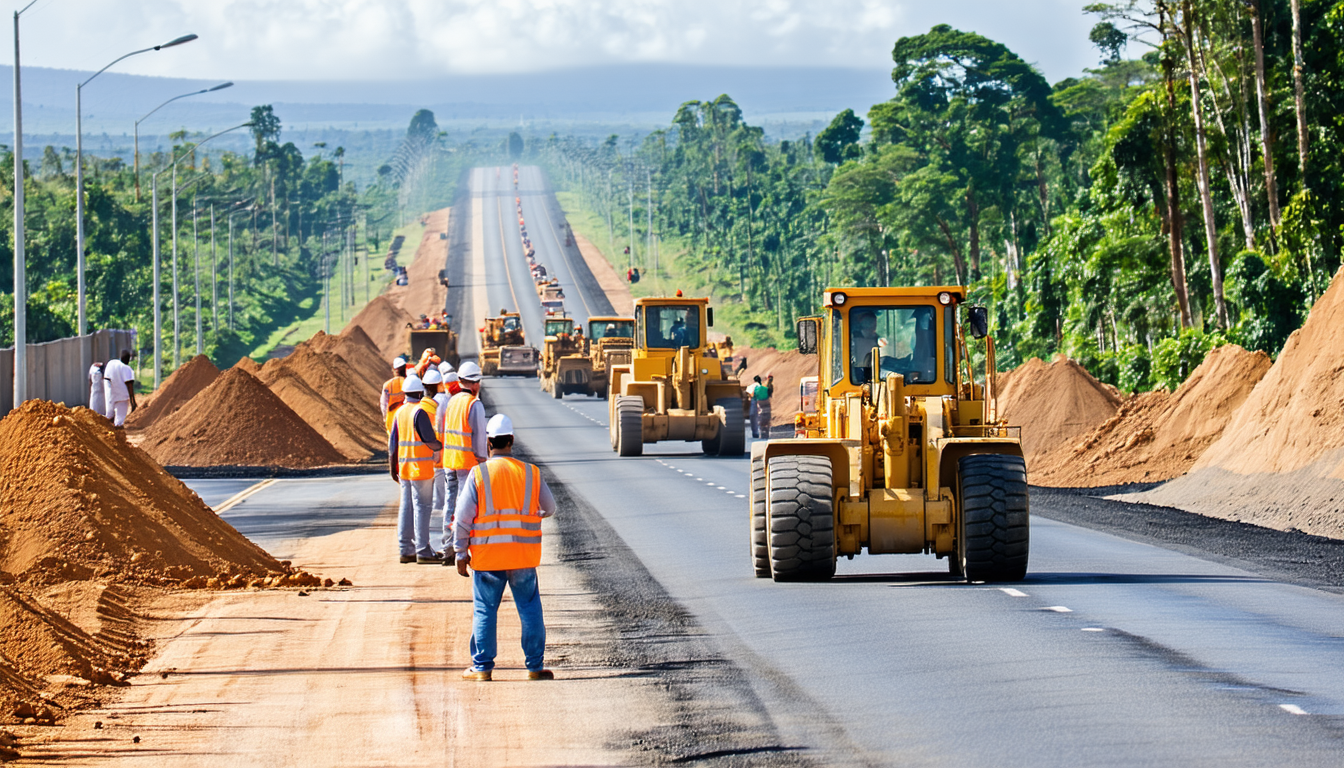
(800, 518)
(629, 425)
(557, 388)
(994, 539)
(760, 549)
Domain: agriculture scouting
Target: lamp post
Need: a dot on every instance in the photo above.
(219, 87)
(20, 261)
(245, 208)
(79, 178)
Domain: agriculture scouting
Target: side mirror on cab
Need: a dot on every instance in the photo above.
(807, 336)
(709, 316)
(978, 319)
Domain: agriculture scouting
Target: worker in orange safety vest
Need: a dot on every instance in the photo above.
(462, 425)
(392, 397)
(411, 448)
(497, 533)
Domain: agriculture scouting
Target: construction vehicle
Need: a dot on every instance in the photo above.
(672, 388)
(442, 340)
(807, 422)
(544, 285)
(611, 341)
(565, 368)
(553, 308)
(504, 350)
(908, 455)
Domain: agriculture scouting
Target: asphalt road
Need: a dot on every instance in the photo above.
(1115, 650)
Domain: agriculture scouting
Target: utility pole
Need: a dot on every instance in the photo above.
(648, 251)
(196, 252)
(20, 260)
(275, 227)
(214, 274)
(631, 190)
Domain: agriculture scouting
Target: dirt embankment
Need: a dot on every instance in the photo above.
(613, 284)
(383, 321)
(1055, 403)
(1280, 460)
(179, 388)
(788, 368)
(423, 294)
(238, 421)
(325, 392)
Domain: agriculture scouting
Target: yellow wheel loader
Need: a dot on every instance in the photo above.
(565, 367)
(904, 453)
(672, 389)
(503, 347)
(611, 341)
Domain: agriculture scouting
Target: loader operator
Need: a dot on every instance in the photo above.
(462, 425)
(498, 534)
(392, 394)
(411, 445)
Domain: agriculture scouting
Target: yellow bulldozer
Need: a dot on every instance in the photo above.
(504, 350)
(611, 341)
(905, 454)
(565, 367)
(672, 389)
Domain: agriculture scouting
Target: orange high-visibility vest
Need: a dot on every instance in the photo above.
(395, 397)
(506, 534)
(457, 437)
(415, 459)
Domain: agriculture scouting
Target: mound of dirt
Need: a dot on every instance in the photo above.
(423, 294)
(384, 322)
(1056, 404)
(248, 364)
(78, 501)
(788, 367)
(1280, 460)
(179, 388)
(360, 353)
(326, 393)
(1158, 435)
(238, 421)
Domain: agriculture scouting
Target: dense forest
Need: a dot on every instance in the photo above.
(1131, 218)
(293, 221)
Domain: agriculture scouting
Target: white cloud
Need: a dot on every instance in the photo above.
(413, 39)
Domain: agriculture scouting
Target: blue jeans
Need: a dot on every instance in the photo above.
(454, 479)
(487, 591)
(413, 515)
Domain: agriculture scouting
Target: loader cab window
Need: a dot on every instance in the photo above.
(672, 327)
(511, 324)
(950, 342)
(611, 329)
(836, 348)
(557, 327)
(907, 338)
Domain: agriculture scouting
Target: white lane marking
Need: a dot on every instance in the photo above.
(699, 479)
(1009, 591)
(1058, 609)
(719, 487)
(1292, 709)
(241, 496)
(1094, 629)
(730, 493)
(738, 495)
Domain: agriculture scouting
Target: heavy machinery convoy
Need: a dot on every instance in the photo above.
(672, 388)
(575, 364)
(903, 454)
(504, 350)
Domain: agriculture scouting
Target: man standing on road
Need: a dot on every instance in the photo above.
(462, 424)
(97, 398)
(433, 403)
(760, 405)
(498, 534)
(392, 397)
(119, 388)
(411, 446)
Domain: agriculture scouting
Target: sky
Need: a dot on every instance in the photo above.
(424, 39)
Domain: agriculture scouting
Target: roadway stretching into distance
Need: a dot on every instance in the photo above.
(1111, 652)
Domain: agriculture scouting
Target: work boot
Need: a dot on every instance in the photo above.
(478, 675)
(432, 559)
(449, 559)
(540, 674)
(408, 558)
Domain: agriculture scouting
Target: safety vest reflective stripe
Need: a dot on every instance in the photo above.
(414, 457)
(457, 434)
(508, 536)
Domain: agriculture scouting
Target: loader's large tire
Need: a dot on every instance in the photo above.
(760, 549)
(557, 388)
(800, 518)
(994, 539)
(629, 425)
(733, 434)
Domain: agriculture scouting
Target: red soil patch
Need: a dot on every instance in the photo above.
(326, 393)
(384, 322)
(176, 391)
(1056, 404)
(788, 368)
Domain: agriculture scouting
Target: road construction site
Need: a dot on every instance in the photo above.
(1142, 634)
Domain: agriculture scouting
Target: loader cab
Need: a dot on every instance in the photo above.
(665, 325)
(610, 328)
(912, 330)
(555, 327)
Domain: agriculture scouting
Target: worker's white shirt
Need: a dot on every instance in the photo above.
(116, 376)
(96, 400)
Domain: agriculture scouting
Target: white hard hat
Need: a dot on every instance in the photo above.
(432, 376)
(499, 425)
(450, 377)
(413, 384)
(469, 372)
(399, 362)
(446, 368)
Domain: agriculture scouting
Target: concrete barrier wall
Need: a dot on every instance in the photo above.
(56, 370)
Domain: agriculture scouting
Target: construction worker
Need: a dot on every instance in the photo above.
(97, 398)
(436, 400)
(411, 446)
(392, 397)
(760, 404)
(119, 388)
(451, 385)
(462, 424)
(427, 358)
(498, 534)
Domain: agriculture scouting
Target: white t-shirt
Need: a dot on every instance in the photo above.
(96, 401)
(116, 375)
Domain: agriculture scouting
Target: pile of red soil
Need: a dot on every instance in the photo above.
(248, 364)
(1055, 404)
(788, 368)
(326, 393)
(360, 353)
(77, 501)
(179, 388)
(238, 421)
(1280, 460)
(384, 322)
(1159, 435)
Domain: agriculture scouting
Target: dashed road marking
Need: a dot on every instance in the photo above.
(740, 496)
(1094, 629)
(1009, 591)
(1292, 709)
(242, 495)
(1058, 609)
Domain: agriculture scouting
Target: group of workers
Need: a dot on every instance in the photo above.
(449, 460)
(440, 322)
(112, 388)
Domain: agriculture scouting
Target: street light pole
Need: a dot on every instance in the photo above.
(219, 87)
(20, 259)
(214, 275)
